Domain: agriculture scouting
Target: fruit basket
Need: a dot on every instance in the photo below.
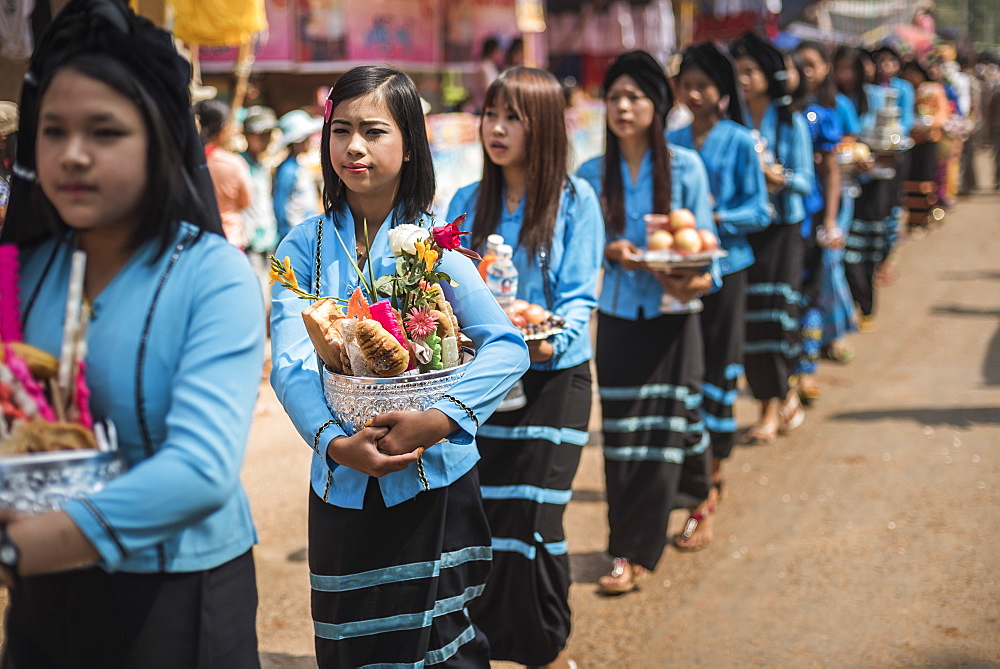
(355, 400)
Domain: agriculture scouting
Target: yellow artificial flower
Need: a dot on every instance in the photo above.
(421, 249)
(430, 258)
(290, 279)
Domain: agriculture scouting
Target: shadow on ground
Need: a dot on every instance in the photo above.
(284, 661)
(588, 567)
(589, 495)
(972, 275)
(953, 657)
(957, 417)
(991, 365)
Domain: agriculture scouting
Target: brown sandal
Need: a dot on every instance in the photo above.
(613, 582)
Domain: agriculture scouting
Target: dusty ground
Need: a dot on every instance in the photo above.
(868, 537)
(865, 538)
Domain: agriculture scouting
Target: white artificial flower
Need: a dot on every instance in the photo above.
(403, 237)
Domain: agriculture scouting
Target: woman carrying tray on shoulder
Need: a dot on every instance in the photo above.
(531, 455)
(156, 569)
(396, 550)
(706, 84)
(649, 365)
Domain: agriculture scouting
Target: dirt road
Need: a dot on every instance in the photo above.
(868, 537)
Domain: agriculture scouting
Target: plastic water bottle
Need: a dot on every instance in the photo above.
(493, 242)
(501, 277)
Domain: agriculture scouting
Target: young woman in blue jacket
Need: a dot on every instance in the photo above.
(772, 317)
(529, 456)
(156, 569)
(706, 85)
(650, 365)
(398, 541)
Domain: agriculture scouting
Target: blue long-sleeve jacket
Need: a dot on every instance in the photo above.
(738, 188)
(635, 294)
(793, 149)
(501, 358)
(293, 202)
(197, 368)
(850, 124)
(573, 263)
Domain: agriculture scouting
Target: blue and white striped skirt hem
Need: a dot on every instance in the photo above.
(773, 337)
(723, 333)
(529, 459)
(656, 447)
(391, 586)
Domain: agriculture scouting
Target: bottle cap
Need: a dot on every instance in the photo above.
(505, 250)
(494, 240)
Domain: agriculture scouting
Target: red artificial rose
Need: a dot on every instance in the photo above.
(448, 236)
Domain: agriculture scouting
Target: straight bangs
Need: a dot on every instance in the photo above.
(393, 87)
(170, 196)
(613, 185)
(537, 99)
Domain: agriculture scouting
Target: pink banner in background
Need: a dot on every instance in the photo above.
(272, 50)
(394, 30)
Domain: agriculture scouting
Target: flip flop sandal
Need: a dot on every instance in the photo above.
(761, 435)
(842, 353)
(792, 417)
(690, 526)
(621, 587)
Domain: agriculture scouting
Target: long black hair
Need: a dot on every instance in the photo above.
(826, 92)
(170, 196)
(857, 59)
(715, 63)
(772, 64)
(398, 92)
(539, 102)
(649, 75)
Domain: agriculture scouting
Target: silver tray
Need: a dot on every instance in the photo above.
(355, 400)
(47, 481)
(667, 259)
(885, 147)
(541, 336)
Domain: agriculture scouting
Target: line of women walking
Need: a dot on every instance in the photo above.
(435, 537)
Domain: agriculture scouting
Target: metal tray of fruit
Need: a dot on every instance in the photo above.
(541, 335)
(668, 259)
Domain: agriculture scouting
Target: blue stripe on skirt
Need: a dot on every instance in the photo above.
(529, 458)
(391, 586)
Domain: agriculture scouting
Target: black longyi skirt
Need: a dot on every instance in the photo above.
(390, 585)
(656, 447)
(90, 618)
(530, 457)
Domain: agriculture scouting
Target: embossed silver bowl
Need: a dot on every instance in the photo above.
(47, 481)
(354, 400)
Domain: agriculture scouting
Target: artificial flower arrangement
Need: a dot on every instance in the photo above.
(44, 401)
(398, 323)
